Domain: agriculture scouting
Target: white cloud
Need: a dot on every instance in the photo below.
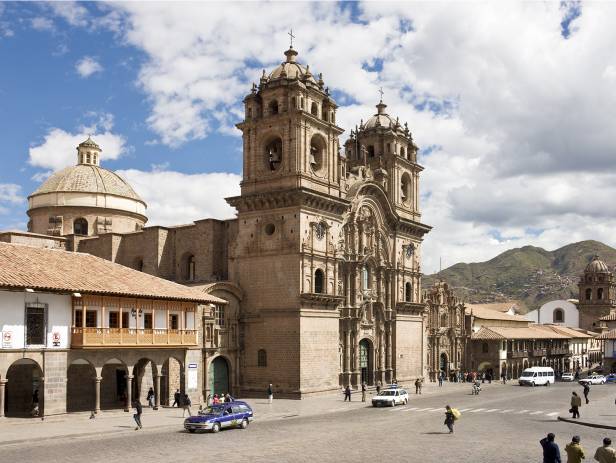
(175, 198)
(87, 66)
(72, 12)
(10, 195)
(58, 148)
(41, 23)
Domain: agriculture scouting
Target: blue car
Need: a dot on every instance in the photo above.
(215, 417)
(611, 378)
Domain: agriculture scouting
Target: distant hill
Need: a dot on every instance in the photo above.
(529, 274)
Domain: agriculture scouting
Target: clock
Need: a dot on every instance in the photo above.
(320, 230)
(410, 248)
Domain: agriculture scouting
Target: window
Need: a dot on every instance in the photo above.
(261, 358)
(88, 158)
(371, 151)
(114, 319)
(402, 153)
(173, 322)
(139, 264)
(405, 188)
(318, 280)
(91, 318)
(273, 107)
(559, 316)
(317, 153)
(408, 292)
(600, 294)
(147, 321)
(78, 317)
(293, 104)
(273, 153)
(188, 270)
(35, 324)
(124, 319)
(444, 321)
(365, 278)
(80, 227)
(219, 315)
(314, 109)
(485, 348)
(588, 294)
(249, 113)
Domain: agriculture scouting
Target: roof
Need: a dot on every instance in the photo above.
(485, 313)
(499, 306)
(570, 332)
(290, 69)
(596, 265)
(89, 143)
(87, 178)
(61, 271)
(530, 332)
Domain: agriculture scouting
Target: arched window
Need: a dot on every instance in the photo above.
(273, 107)
(317, 153)
(318, 281)
(188, 270)
(314, 109)
(402, 153)
(371, 151)
(485, 347)
(262, 358)
(600, 294)
(559, 316)
(405, 188)
(365, 278)
(408, 291)
(273, 153)
(588, 294)
(444, 321)
(88, 158)
(80, 227)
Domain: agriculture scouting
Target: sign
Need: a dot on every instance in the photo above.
(55, 338)
(192, 365)
(193, 382)
(7, 339)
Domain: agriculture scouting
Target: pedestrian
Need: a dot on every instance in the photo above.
(229, 398)
(489, 377)
(575, 452)
(576, 403)
(606, 454)
(504, 377)
(215, 400)
(186, 403)
(347, 393)
(270, 394)
(551, 452)
(378, 387)
(440, 379)
(449, 418)
(417, 386)
(363, 391)
(586, 391)
(137, 416)
(150, 398)
(35, 403)
(176, 398)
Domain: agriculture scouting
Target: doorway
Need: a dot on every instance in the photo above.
(219, 376)
(443, 364)
(365, 362)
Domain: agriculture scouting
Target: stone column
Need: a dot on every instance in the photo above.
(2, 389)
(97, 390)
(129, 392)
(157, 392)
(388, 358)
(347, 351)
(356, 374)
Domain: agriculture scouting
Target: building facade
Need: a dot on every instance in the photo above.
(560, 312)
(597, 296)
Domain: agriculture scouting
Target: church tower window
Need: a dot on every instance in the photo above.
(405, 188)
(80, 227)
(371, 151)
(600, 294)
(317, 150)
(273, 153)
(273, 107)
(314, 109)
(318, 281)
(365, 278)
(588, 294)
(408, 291)
(188, 267)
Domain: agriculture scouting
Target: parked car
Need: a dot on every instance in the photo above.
(390, 398)
(215, 417)
(567, 377)
(594, 379)
(537, 376)
(611, 378)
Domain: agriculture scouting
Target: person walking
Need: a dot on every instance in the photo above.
(347, 393)
(551, 452)
(35, 403)
(606, 454)
(449, 418)
(378, 387)
(586, 391)
(176, 398)
(575, 452)
(417, 386)
(504, 377)
(270, 394)
(150, 398)
(363, 391)
(186, 403)
(440, 379)
(576, 403)
(137, 416)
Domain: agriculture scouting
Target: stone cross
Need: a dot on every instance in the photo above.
(381, 92)
(290, 34)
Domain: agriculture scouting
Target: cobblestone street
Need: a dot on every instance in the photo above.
(503, 424)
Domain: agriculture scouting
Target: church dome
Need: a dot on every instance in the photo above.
(291, 69)
(380, 119)
(596, 266)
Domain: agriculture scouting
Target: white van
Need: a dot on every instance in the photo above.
(537, 376)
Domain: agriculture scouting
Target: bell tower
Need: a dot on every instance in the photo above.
(290, 137)
(597, 294)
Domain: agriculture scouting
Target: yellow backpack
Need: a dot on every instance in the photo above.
(456, 413)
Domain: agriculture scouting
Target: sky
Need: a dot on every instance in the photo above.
(511, 105)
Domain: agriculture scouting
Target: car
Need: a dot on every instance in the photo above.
(567, 377)
(215, 417)
(391, 398)
(594, 379)
(611, 378)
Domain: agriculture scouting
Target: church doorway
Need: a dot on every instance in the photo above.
(443, 364)
(218, 374)
(365, 362)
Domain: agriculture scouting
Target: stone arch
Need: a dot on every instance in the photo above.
(219, 375)
(114, 384)
(319, 281)
(81, 386)
(144, 378)
(273, 107)
(405, 188)
(314, 109)
(272, 151)
(172, 380)
(188, 266)
(80, 226)
(408, 291)
(24, 377)
(366, 360)
(318, 153)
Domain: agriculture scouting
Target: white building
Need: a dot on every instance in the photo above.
(558, 312)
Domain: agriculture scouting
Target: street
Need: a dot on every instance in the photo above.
(503, 423)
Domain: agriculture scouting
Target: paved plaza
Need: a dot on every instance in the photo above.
(502, 424)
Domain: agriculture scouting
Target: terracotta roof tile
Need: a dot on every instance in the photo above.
(489, 314)
(54, 270)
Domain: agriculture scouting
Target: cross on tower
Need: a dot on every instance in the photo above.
(290, 34)
(381, 92)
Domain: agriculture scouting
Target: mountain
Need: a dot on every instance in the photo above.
(528, 274)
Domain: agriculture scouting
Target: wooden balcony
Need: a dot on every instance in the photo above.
(131, 337)
(517, 354)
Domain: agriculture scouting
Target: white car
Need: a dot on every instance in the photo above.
(594, 379)
(567, 377)
(390, 398)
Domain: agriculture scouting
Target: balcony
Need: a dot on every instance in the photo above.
(559, 351)
(131, 337)
(539, 352)
(517, 354)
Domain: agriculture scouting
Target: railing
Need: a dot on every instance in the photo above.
(517, 354)
(559, 351)
(112, 337)
(539, 352)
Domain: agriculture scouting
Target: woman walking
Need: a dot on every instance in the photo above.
(576, 403)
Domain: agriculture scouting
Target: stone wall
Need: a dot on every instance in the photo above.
(320, 357)
(409, 347)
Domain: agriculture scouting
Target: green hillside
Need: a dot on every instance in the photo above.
(530, 274)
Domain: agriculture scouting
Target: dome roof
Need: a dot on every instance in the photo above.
(596, 265)
(290, 69)
(87, 178)
(380, 119)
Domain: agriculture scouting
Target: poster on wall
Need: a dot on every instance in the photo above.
(193, 383)
(7, 339)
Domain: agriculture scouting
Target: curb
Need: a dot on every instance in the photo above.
(586, 423)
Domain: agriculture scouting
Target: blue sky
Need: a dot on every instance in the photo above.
(510, 104)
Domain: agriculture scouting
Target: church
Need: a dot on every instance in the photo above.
(320, 269)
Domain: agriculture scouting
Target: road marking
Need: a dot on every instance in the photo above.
(536, 413)
(409, 409)
(492, 410)
(552, 414)
(478, 410)
(465, 410)
(520, 412)
(435, 410)
(397, 409)
(508, 410)
(424, 409)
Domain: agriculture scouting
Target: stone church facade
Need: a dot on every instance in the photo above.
(321, 268)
